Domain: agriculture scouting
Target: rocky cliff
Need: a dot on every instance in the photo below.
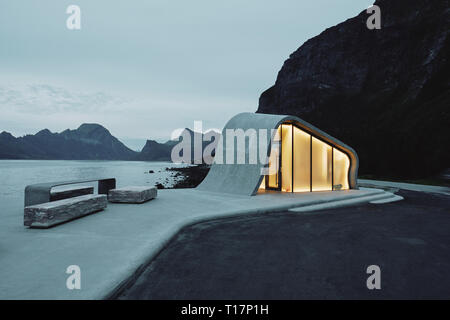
(155, 151)
(384, 92)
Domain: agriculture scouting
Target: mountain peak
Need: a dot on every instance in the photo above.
(89, 127)
(154, 151)
(150, 142)
(44, 132)
(6, 134)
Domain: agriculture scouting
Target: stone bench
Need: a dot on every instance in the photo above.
(69, 191)
(41, 192)
(132, 194)
(46, 215)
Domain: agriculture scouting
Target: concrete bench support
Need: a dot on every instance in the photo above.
(132, 194)
(70, 192)
(46, 215)
(40, 193)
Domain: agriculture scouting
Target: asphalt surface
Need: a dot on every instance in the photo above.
(320, 255)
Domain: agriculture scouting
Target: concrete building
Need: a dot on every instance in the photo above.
(261, 152)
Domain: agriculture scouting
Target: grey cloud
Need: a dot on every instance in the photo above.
(48, 99)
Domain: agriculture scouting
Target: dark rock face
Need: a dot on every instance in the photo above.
(88, 142)
(155, 151)
(384, 92)
(191, 176)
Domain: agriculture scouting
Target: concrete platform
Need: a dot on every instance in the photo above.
(111, 245)
(309, 256)
(405, 186)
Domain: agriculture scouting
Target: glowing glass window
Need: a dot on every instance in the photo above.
(272, 178)
(302, 161)
(341, 165)
(321, 165)
(286, 158)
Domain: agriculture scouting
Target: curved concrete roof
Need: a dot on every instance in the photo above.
(246, 178)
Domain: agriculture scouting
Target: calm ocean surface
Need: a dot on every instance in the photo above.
(16, 174)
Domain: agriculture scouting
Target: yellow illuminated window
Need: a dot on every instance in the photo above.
(286, 157)
(262, 186)
(302, 161)
(321, 165)
(274, 157)
(306, 164)
(341, 165)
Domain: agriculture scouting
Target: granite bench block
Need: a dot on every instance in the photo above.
(46, 215)
(70, 192)
(132, 194)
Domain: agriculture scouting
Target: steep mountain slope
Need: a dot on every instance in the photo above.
(155, 151)
(88, 142)
(384, 92)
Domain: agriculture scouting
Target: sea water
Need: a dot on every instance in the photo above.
(15, 175)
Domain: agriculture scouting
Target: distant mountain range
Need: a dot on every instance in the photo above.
(154, 151)
(384, 92)
(88, 142)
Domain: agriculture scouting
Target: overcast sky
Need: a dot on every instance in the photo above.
(143, 68)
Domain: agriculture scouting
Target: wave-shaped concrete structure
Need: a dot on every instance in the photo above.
(293, 156)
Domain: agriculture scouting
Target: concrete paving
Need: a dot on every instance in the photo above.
(371, 198)
(404, 186)
(393, 198)
(322, 255)
(111, 245)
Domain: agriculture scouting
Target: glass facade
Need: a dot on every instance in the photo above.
(321, 166)
(286, 157)
(341, 165)
(300, 162)
(274, 163)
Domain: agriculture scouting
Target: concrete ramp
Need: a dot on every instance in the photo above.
(371, 197)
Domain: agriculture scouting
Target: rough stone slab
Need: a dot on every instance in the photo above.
(132, 194)
(70, 191)
(46, 215)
